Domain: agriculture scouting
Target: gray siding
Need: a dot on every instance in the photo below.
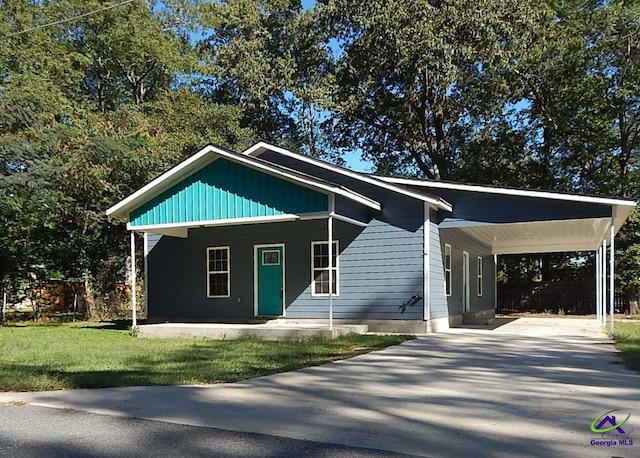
(152, 240)
(381, 268)
(459, 243)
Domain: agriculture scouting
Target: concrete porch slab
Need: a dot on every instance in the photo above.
(273, 330)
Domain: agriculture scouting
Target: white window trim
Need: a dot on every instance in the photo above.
(228, 272)
(336, 269)
(447, 248)
(480, 275)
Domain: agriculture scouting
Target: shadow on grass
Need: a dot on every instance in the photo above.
(199, 362)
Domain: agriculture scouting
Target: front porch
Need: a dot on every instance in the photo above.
(277, 329)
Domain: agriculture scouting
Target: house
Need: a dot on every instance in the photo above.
(272, 233)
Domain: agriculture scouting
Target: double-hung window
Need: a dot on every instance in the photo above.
(320, 268)
(480, 275)
(218, 271)
(447, 269)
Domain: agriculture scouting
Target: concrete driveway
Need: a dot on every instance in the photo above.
(529, 388)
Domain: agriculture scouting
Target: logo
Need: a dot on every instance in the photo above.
(599, 424)
(611, 433)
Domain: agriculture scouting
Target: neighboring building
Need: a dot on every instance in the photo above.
(236, 236)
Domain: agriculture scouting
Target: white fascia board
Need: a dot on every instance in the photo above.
(204, 157)
(164, 181)
(510, 191)
(215, 222)
(259, 148)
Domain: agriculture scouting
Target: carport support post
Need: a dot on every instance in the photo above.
(597, 269)
(332, 207)
(611, 274)
(134, 321)
(603, 283)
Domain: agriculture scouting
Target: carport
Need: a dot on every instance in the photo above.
(516, 221)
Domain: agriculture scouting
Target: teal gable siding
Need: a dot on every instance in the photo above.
(226, 190)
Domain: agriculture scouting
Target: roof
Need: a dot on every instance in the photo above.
(210, 153)
(435, 201)
(621, 208)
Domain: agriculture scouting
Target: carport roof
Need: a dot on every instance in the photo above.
(576, 232)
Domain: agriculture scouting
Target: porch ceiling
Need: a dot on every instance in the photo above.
(535, 237)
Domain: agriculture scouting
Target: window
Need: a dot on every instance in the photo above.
(320, 268)
(479, 276)
(447, 269)
(218, 272)
(271, 258)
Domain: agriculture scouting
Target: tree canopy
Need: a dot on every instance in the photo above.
(96, 99)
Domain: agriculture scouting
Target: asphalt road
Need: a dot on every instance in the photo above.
(30, 432)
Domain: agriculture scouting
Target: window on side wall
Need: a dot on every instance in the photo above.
(218, 269)
(480, 267)
(320, 269)
(447, 269)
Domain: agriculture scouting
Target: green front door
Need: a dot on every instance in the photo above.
(270, 271)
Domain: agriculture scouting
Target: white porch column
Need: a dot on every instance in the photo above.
(426, 241)
(134, 321)
(612, 273)
(145, 243)
(596, 263)
(603, 283)
(332, 208)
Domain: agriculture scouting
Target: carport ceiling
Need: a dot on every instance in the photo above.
(535, 237)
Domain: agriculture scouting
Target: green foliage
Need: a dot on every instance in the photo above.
(520, 93)
(417, 81)
(269, 59)
(91, 355)
(627, 337)
(628, 257)
(91, 110)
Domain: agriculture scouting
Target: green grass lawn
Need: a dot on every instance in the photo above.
(93, 355)
(627, 337)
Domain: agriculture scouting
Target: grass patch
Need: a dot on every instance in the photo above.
(57, 356)
(627, 336)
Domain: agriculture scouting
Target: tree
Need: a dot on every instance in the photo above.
(416, 81)
(269, 59)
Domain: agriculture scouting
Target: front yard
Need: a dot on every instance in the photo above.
(95, 355)
(627, 336)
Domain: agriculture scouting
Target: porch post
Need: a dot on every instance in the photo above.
(332, 205)
(145, 250)
(611, 274)
(134, 322)
(603, 283)
(596, 263)
(426, 241)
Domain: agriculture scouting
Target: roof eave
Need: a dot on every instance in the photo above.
(436, 202)
(203, 158)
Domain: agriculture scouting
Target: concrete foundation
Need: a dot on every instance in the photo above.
(272, 330)
(484, 317)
